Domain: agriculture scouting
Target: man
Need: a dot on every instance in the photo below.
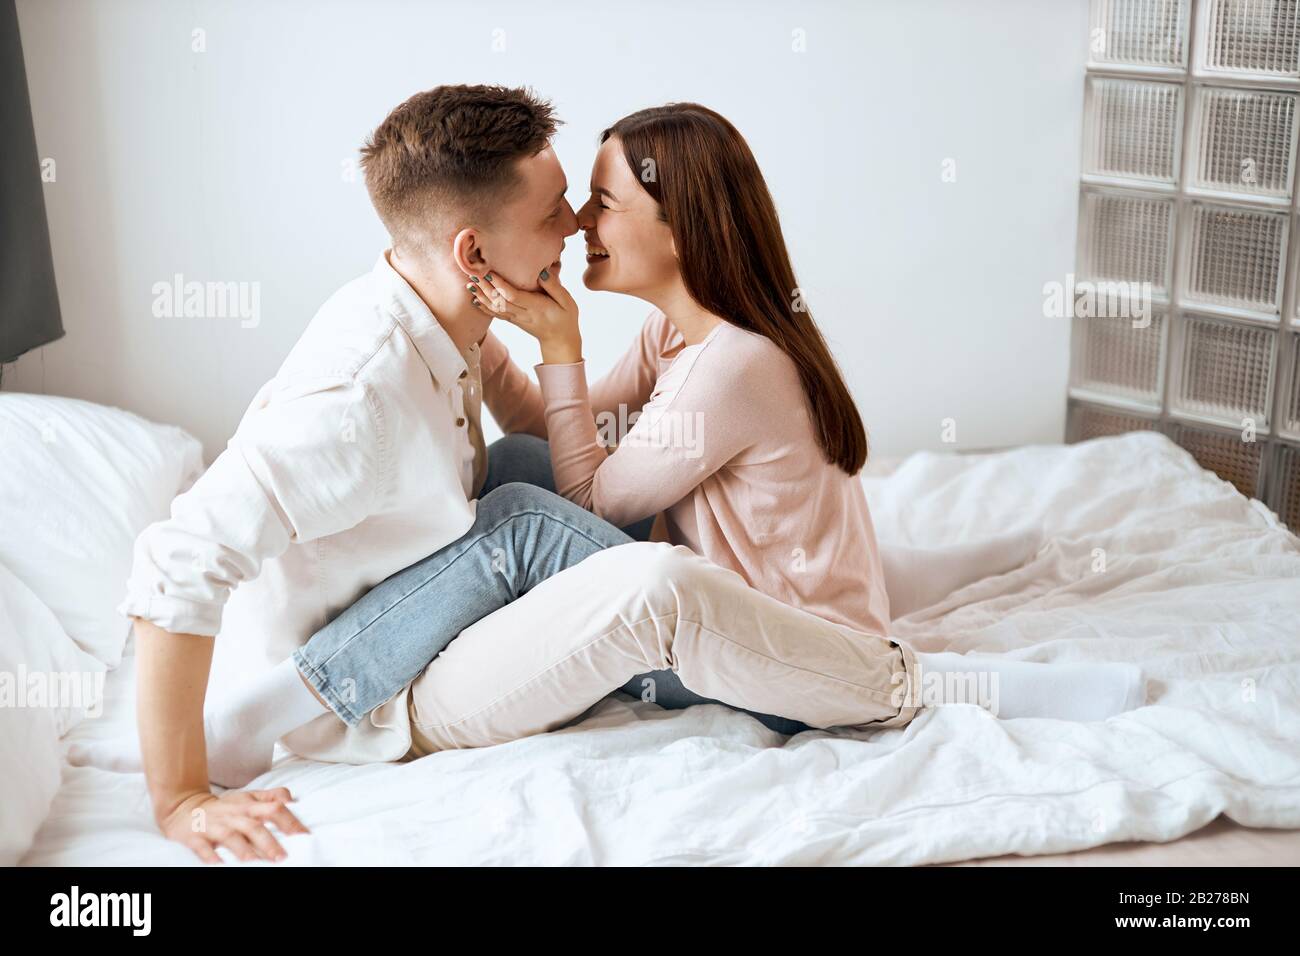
(363, 455)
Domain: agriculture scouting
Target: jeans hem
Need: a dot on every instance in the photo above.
(321, 684)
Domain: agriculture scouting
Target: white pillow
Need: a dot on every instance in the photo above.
(47, 685)
(79, 482)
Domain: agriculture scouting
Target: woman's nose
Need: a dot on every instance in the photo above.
(586, 218)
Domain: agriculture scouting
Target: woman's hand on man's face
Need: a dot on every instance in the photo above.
(550, 316)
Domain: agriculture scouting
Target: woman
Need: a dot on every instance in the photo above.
(745, 453)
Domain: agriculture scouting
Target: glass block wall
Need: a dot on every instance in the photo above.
(1188, 184)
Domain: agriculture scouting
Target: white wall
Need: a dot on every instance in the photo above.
(227, 165)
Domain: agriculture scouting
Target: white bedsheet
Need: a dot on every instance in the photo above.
(1201, 587)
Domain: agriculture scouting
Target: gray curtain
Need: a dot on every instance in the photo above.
(29, 301)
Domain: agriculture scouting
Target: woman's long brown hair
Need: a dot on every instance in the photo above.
(733, 257)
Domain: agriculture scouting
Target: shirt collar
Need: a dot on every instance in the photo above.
(431, 340)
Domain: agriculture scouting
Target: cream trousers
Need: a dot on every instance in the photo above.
(547, 658)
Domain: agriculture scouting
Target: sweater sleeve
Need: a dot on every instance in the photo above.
(515, 401)
(510, 395)
(627, 386)
(679, 439)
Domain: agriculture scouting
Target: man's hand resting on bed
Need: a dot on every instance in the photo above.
(171, 683)
(235, 820)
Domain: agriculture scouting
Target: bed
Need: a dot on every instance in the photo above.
(1148, 558)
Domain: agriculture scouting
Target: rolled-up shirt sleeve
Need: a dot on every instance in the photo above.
(305, 463)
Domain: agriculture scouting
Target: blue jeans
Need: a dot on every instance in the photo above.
(523, 533)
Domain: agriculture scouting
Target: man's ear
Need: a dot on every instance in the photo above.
(467, 252)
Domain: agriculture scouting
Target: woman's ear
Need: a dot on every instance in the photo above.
(467, 253)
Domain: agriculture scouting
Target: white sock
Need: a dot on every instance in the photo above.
(241, 729)
(917, 578)
(243, 726)
(1009, 689)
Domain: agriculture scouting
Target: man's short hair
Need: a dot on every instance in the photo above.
(449, 154)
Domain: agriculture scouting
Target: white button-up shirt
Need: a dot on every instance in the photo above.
(361, 457)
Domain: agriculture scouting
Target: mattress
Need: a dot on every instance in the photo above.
(1148, 558)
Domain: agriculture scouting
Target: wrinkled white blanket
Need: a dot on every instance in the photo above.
(1200, 586)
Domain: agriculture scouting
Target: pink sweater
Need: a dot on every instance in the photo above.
(724, 452)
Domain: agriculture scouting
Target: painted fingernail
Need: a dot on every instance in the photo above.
(545, 275)
(488, 277)
(475, 278)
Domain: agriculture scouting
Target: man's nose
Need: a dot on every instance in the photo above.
(571, 224)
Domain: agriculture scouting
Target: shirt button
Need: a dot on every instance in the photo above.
(460, 422)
